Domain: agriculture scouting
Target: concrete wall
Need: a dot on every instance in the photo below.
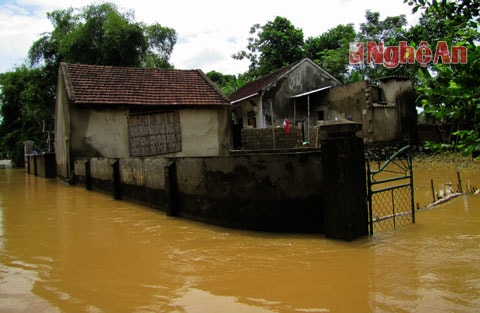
(62, 129)
(99, 133)
(42, 165)
(298, 191)
(205, 132)
(275, 192)
(401, 92)
(387, 113)
(385, 123)
(271, 138)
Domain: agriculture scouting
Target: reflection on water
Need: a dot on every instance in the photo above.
(64, 249)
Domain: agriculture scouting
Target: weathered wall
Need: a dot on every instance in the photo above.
(387, 113)
(62, 129)
(304, 78)
(99, 133)
(263, 192)
(344, 101)
(385, 123)
(347, 102)
(42, 165)
(276, 192)
(401, 92)
(205, 132)
(271, 138)
(302, 191)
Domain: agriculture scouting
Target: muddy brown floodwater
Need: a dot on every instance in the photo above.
(65, 249)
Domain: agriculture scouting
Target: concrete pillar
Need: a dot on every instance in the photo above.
(117, 195)
(171, 189)
(344, 182)
(88, 175)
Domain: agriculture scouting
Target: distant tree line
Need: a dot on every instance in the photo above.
(101, 34)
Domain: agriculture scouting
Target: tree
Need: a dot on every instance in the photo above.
(330, 50)
(390, 31)
(26, 110)
(451, 91)
(161, 41)
(102, 35)
(97, 34)
(277, 44)
(226, 83)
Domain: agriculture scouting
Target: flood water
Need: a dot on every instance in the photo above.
(65, 249)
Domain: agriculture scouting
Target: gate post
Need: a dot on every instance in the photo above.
(343, 163)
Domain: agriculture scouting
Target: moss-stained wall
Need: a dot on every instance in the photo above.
(298, 191)
(277, 192)
(271, 138)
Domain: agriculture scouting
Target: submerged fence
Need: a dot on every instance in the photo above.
(390, 191)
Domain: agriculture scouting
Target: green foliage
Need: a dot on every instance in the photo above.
(98, 34)
(161, 41)
(390, 31)
(226, 83)
(102, 35)
(451, 92)
(330, 50)
(276, 45)
(27, 108)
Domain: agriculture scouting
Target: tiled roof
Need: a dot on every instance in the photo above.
(254, 87)
(113, 85)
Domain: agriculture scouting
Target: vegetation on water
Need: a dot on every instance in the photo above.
(101, 34)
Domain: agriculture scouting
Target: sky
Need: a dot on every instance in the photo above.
(209, 32)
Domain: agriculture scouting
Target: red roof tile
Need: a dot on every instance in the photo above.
(95, 84)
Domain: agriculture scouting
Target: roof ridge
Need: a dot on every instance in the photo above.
(123, 85)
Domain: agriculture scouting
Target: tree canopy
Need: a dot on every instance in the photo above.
(277, 44)
(450, 92)
(97, 34)
(102, 35)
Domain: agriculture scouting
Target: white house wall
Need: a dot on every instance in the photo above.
(62, 130)
(205, 132)
(100, 133)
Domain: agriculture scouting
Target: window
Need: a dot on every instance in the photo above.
(320, 116)
(151, 134)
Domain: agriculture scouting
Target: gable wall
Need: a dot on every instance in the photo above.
(303, 78)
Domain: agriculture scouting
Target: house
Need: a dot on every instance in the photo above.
(124, 112)
(268, 100)
(310, 97)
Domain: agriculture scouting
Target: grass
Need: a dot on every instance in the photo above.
(445, 158)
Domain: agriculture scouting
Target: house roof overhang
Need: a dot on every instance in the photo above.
(310, 92)
(244, 98)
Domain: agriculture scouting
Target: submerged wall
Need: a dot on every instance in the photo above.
(299, 191)
(42, 165)
(271, 192)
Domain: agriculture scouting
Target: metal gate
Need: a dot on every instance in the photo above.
(390, 191)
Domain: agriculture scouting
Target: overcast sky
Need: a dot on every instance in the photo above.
(209, 31)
